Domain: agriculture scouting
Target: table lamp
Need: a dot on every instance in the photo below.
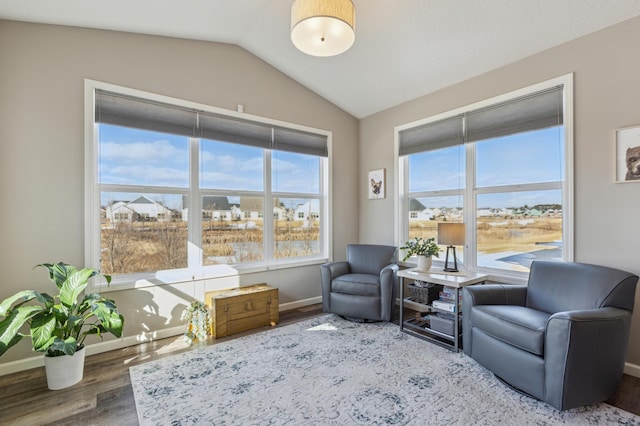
(451, 234)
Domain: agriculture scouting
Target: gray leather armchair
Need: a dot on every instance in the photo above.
(362, 287)
(562, 338)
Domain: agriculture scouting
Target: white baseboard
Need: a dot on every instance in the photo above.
(632, 369)
(300, 303)
(92, 349)
(110, 345)
(22, 364)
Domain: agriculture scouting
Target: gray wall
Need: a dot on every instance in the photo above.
(42, 72)
(606, 97)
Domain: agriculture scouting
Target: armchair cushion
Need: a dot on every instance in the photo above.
(358, 284)
(516, 325)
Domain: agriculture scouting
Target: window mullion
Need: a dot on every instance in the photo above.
(443, 193)
(403, 185)
(469, 208)
(108, 187)
(326, 219)
(92, 193)
(302, 196)
(194, 201)
(544, 186)
(268, 226)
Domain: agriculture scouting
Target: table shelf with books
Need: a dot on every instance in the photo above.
(437, 313)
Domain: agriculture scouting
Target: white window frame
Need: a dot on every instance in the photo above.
(401, 208)
(196, 271)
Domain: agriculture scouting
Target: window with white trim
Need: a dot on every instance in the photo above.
(155, 160)
(502, 167)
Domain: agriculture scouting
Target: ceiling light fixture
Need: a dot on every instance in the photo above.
(323, 27)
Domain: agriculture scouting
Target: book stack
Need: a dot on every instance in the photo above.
(447, 300)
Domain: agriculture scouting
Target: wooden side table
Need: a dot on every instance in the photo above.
(421, 327)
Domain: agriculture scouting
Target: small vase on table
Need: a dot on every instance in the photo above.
(424, 263)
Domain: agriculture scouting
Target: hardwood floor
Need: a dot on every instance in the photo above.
(105, 396)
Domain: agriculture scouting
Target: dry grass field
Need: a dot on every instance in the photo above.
(519, 235)
(497, 235)
(151, 246)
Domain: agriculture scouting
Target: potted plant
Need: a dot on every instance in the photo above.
(424, 249)
(60, 324)
(199, 322)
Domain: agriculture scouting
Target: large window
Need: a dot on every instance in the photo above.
(500, 167)
(152, 162)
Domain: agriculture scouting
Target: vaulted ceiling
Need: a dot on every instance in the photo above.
(403, 48)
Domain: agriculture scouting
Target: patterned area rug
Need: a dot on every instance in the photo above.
(328, 371)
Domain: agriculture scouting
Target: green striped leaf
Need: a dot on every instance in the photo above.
(23, 296)
(10, 326)
(74, 285)
(42, 327)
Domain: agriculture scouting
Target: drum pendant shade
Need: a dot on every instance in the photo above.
(323, 27)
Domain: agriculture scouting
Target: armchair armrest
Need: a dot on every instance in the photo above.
(334, 269)
(329, 271)
(490, 294)
(495, 294)
(584, 347)
(391, 269)
(591, 315)
(388, 288)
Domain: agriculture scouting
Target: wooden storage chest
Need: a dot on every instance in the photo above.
(241, 309)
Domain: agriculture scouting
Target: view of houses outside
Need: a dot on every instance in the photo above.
(140, 231)
(144, 235)
(146, 232)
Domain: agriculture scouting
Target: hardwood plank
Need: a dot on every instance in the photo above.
(50, 408)
(627, 396)
(115, 407)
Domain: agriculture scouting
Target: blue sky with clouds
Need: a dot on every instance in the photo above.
(132, 156)
(532, 157)
(139, 157)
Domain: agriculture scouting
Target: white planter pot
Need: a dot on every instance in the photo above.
(424, 263)
(64, 371)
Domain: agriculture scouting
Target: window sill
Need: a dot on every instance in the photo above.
(181, 276)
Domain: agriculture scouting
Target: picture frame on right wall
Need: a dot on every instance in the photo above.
(627, 142)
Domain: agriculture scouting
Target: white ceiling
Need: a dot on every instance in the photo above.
(403, 49)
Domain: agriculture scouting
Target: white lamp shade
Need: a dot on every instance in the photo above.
(451, 234)
(323, 27)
